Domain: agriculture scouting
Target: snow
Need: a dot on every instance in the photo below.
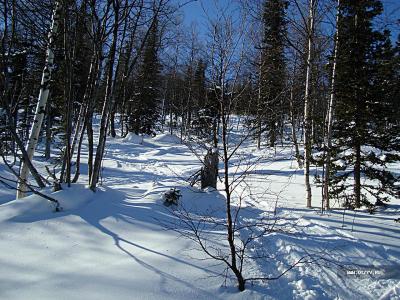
(134, 138)
(168, 139)
(391, 294)
(113, 244)
(34, 207)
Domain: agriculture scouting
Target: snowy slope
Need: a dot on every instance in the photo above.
(107, 245)
(113, 244)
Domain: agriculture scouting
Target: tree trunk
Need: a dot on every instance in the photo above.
(259, 109)
(272, 131)
(329, 118)
(357, 175)
(26, 160)
(209, 172)
(78, 155)
(78, 123)
(112, 124)
(230, 222)
(42, 101)
(48, 133)
(171, 130)
(68, 98)
(307, 104)
(294, 133)
(259, 131)
(215, 131)
(90, 142)
(107, 103)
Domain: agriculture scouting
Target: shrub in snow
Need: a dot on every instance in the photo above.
(172, 196)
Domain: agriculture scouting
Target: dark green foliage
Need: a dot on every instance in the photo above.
(206, 105)
(272, 69)
(199, 85)
(198, 91)
(146, 101)
(365, 134)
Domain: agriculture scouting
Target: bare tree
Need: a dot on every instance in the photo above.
(120, 13)
(116, 6)
(226, 59)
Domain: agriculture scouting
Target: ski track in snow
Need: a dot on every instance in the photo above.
(113, 245)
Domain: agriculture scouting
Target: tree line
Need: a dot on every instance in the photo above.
(320, 75)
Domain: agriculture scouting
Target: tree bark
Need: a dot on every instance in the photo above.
(292, 117)
(78, 155)
(230, 222)
(107, 102)
(41, 105)
(357, 174)
(329, 118)
(48, 133)
(67, 97)
(294, 133)
(307, 104)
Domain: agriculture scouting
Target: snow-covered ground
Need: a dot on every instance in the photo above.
(113, 244)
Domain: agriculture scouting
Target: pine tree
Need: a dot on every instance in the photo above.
(145, 113)
(363, 132)
(272, 69)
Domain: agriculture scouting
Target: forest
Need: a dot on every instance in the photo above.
(166, 149)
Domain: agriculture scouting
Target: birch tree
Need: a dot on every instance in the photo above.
(41, 105)
(329, 117)
(307, 101)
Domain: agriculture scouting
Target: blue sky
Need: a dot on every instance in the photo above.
(194, 13)
(194, 10)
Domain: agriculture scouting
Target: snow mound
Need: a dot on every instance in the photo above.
(34, 207)
(167, 138)
(134, 138)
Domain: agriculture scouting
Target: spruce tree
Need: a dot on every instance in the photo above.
(147, 97)
(199, 85)
(363, 132)
(272, 69)
(204, 111)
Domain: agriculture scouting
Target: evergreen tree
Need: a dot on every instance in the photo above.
(272, 69)
(146, 100)
(199, 85)
(363, 132)
(204, 111)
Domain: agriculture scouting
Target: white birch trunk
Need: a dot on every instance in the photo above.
(42, 101)
(307, 104)
(329, 118)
